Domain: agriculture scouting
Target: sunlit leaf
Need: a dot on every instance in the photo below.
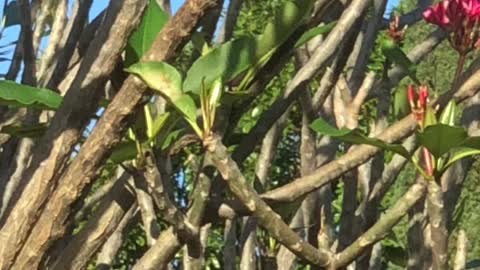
(441, 138)
(226, 61)
(19, 95)
(142, 39)
(159, 76)
(448, 114)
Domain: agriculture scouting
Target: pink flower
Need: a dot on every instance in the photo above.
(460, 18)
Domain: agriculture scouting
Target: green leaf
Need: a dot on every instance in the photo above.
(316, 31)
(286, 20)
(142, 39)
(232, 58)
(124, 151)
(401, 108)
(187, 107)
(158, 123)
(354, 136)
(32, 131)
(441, 138)
(11, 16)
(19, 95)
(170, 138)
(460, 153)
(448, 114)
(159, 76)
(430, 117)
(395, 54)
(226, 61)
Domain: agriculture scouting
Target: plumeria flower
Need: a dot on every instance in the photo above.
(458, 17)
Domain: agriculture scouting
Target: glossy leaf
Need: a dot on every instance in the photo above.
(441, 138)
(460, 153)
(353, 136)
(396, 55)
(226, 61)
(448, 114)
(142, 39)
(159, 76)
(19, 95)
(316, 31)
(233, 58)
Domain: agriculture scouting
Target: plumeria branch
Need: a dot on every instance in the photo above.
(266, 217)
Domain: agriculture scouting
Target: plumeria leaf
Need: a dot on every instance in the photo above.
(11, 15)
(440, 138)
(395, 54)
(124, 151)
(448, 114)
(460, 153)
(316, 31)
(286, 19)
(231, 59)
(19, 95)
(226, 61)
(31, 131)
(430, 117)
(157, 124)
(159, 76)
(142, 39)
(354, 136)
(401, 108)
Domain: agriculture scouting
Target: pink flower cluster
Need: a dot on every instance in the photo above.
(460, 18)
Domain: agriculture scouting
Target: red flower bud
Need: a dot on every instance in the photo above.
(411, 96)
(423, 95)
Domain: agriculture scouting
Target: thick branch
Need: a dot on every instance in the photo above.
(264, 214)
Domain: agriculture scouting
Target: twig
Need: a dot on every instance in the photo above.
(382, 227)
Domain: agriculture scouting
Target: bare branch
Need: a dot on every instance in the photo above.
(461, 255)
(378, 231)
(264, 214)
(82, 246)
(54, 149)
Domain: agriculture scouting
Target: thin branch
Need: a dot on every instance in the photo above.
(55, 39)
(378, 231)
(233, 11)
(264, 214)
(399, 130)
